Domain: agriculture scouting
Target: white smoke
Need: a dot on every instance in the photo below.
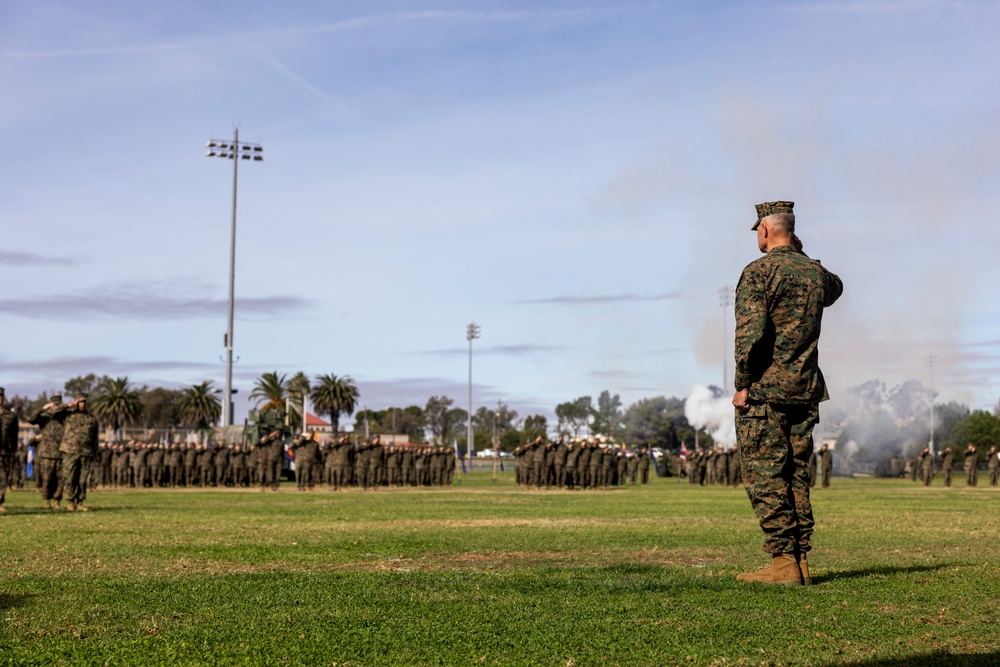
(713, 411)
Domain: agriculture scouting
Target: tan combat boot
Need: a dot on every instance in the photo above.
(783, 570)
(804, 569)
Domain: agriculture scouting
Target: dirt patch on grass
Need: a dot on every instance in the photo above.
(56, 564)
(471, 561)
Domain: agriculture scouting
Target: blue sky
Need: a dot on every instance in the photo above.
(577, 178)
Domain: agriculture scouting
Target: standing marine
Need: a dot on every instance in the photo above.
(48, 458)
(971, 465)
(993, 465)
(79, 448)
(8, 446)
(779, 307)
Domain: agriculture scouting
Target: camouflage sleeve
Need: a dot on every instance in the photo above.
(751, 322)
(35, 416)
(832, 288)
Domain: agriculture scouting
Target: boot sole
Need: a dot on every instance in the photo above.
(791, 582)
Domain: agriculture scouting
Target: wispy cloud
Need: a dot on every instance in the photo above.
(613, 374)
(360, 23)
(500, 350)
(985, 343)
(84, 52)
(600, 299)
(868, 7)
(100, 365)
(15, 258)
(141, 301)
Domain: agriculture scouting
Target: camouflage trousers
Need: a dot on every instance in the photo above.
(268, 472)
(6, 474)
(76, 468)
(775, 443)
(50, 474)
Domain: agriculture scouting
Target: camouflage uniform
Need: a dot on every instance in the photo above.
(779, 307)
(971, 466)
(947, 465)
(993, 465)
(79, 447)
(826, 458)
(48, 458)
(8, 446)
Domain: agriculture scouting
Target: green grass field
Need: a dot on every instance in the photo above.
(493, 575)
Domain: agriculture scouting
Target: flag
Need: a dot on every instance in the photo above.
(684, 452)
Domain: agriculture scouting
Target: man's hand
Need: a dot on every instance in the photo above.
(740, 399)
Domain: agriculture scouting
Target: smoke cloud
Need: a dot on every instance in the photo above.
(708, 408)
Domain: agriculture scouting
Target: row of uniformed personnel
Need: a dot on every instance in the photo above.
(585, 464)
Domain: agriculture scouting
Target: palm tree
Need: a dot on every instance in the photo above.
(270, 390)
(334, 395)
(200, 405)
(298, 391)
(116, 403)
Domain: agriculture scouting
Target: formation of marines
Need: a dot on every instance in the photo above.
(925, 466)
(713, 467)
(143, 465)
(579, 464)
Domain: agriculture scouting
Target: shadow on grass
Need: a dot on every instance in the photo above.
(933, 660)
(11, 600)
(63, 511)
(884, 570)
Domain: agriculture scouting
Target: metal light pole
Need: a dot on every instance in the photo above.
(235, 151)
(471, 333)
(931, 361)
(725, 300)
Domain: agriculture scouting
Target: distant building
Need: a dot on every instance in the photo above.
(315, 424)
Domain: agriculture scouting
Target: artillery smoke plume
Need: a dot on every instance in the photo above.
(708, 408)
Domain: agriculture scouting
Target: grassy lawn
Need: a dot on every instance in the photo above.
(483, 574)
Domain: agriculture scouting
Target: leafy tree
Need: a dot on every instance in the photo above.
(980, 428)
(485, 422)
(270, 390)
(511, 439)
(436, 416)
(409, 420)
(334, 396)
(505, 417)
(455, 425)
(200, 405)
(534, 426)
(82, 384)
(573, 415)
(367, 421)
(648, 423)
(159, 407)
(116, 403)
(607, 415)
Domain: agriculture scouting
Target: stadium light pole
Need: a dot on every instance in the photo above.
(725, 300)
(931, 362)
(234, 151)
(471, 333)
